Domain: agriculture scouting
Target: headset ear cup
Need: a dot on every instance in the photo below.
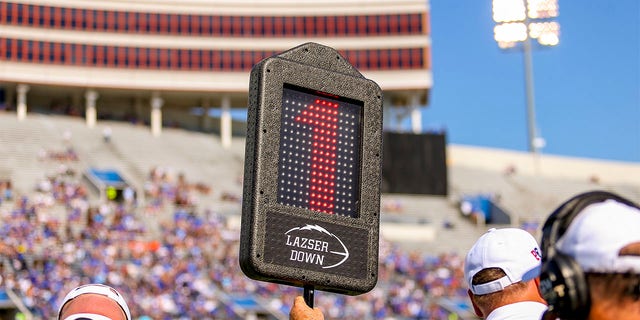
(563, 285)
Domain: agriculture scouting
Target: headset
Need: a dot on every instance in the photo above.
(562, 281)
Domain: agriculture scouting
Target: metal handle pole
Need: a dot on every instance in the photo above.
(308, 295)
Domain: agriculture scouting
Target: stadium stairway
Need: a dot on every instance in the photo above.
(199, 157)
(21, 144)
(430, 224)
(132, 151)
(528, 199)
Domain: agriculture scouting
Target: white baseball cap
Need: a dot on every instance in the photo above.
(99, 289)
(596, 235)
(513, 250)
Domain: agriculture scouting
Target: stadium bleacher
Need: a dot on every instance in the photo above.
(173, 251)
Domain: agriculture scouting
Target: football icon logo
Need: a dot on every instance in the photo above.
(315, 245)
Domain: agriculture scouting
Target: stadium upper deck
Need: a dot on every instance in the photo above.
(136, 59)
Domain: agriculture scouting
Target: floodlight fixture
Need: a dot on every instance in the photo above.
(542, 9)
(508, 10)
(508, 34)
(517, 22)
(520, 20)
(547, 33)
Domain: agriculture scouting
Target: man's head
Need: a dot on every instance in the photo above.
(591, 247)
(94, 302)
(499, 267)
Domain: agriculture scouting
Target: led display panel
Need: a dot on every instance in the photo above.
(319, 152)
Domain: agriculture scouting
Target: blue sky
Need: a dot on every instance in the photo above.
(587, 89)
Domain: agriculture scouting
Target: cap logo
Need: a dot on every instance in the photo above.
(536, 254)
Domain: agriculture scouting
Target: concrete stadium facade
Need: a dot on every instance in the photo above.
(164, 62)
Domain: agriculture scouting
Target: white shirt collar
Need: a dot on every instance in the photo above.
(526, 310)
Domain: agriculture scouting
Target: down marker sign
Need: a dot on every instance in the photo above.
(311, 198)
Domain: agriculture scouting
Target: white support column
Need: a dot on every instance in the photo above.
(225, 122)
(156, 114)
(416, 114)
(21, 110)
(90, 107)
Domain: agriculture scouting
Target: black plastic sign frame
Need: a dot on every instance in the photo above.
(311, 199)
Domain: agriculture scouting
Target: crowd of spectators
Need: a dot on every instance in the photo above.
(186, 267)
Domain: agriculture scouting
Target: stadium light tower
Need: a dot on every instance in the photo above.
(517, 22)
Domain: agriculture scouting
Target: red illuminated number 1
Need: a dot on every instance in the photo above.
(322, 116)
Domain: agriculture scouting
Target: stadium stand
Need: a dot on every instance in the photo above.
(171, 257)
(173, 250)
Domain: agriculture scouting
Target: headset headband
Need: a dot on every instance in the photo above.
(560, 220)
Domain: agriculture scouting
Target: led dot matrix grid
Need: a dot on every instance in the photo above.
(319, 152)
